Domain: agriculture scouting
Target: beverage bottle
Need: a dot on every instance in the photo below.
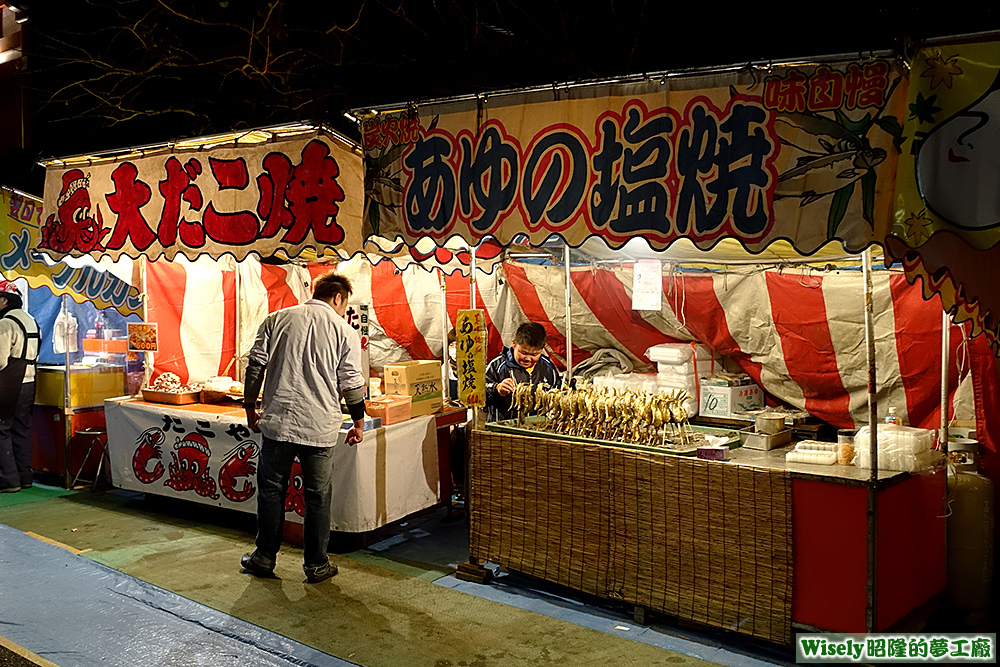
(892, 417)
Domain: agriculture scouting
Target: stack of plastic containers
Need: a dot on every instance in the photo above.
(899, 448)
(680, 366)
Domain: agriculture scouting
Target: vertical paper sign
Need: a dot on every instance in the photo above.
(647, 285)
(357, 317)
(470, 353)
(142, 337)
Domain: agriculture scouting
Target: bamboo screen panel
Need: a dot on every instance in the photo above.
(706, 541)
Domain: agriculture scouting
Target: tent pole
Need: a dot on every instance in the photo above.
(569, 321)
(945, 330)
(870, 611)
(147, 366)
(237, 374)
(472, 278)
(445, 328)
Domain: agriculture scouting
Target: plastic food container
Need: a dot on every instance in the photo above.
(218, 383)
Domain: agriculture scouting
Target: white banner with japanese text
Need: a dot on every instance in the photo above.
(206, 454)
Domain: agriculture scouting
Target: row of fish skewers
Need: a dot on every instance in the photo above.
(605, 413)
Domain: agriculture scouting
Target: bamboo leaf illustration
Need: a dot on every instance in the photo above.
(838, 207)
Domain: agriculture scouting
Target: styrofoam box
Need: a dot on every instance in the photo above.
(688, 368)
(675, 353)
(671, 381)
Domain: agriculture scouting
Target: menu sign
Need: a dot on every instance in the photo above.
(142, 337)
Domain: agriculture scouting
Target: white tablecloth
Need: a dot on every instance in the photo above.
(208, 455)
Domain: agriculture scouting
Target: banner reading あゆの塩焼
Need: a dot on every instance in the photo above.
(804, 153)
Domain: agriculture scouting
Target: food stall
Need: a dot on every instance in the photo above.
(82, 309)
(800, 153)
(206, 309)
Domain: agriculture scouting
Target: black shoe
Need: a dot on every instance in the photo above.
(257, 565)
(10, 489)
(314, 575)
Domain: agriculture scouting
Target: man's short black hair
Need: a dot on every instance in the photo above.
(530, 334)
(13, 301)
(331, 284)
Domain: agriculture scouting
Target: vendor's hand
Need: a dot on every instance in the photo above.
(355, 434)
(253, 416)
(506, 388)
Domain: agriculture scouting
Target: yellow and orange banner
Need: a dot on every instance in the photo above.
(20, 220)
(946, 225)
(805, 153)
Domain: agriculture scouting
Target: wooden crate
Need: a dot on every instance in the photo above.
(704, 541)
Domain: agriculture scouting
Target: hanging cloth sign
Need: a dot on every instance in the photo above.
(805, 153)
(470, 353)
(647, 285)
(272, 198)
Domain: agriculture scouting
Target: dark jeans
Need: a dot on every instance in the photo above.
(274, 467)
(15, 441)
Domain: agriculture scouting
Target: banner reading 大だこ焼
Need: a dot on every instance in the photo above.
(274, 197)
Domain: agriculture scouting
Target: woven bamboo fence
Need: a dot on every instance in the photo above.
(706, 541)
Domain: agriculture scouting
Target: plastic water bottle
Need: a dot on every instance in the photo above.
(892, 417)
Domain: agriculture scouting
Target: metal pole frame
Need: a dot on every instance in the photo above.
(872, 506)
(569, 321)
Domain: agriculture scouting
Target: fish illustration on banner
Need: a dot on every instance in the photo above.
(276, 197)
(947, 217)
(805, 153)
(21, 223)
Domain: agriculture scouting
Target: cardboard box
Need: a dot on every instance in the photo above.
(420, 380)
(391, 409)
(725, 401)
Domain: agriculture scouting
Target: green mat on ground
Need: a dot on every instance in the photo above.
(36, 492)
(367, 614)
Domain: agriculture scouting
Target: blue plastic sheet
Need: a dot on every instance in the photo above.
(73, 611)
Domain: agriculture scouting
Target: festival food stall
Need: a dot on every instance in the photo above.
(179, 203)
(804, 153)
(82, 309)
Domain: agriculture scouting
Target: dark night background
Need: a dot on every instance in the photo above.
(102, 75)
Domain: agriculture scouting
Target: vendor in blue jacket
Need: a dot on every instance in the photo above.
(524, 361)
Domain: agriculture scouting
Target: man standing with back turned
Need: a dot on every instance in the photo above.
(312, 357)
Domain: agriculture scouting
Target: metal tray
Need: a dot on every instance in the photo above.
(170, 398)
(764, 441)
(511, 426)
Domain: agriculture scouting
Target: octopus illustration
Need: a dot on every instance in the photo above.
(190, 467)
(237, 465)
(295, 499)
(72, 226)
(148, 449)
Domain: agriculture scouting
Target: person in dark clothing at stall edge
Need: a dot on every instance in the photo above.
(523, 361)
(19, 343)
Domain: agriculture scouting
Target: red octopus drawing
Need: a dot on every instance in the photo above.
(190, 467)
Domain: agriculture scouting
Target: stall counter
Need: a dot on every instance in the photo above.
(753, 544)
(207, 454)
